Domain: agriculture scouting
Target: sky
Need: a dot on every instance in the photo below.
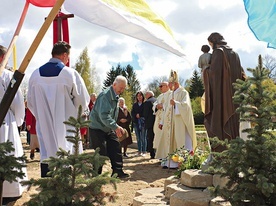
(190, 21)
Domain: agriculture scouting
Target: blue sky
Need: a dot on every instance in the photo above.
(134, 63)
(191, 22)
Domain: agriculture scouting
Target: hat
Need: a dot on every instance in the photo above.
(173, 77)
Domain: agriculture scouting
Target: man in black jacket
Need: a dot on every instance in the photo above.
(149, 122)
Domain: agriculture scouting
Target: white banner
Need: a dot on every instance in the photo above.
(133, 18)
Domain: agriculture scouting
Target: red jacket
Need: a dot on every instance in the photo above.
(30, 120)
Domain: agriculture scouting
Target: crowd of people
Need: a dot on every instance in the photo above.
(161, 125)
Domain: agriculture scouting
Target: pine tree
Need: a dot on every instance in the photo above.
(73, 178)
(10, 166)
(196, 88)
(133, 83)
(250, 165)
(112, 74)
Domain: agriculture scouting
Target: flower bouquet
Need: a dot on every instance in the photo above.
(188, 159)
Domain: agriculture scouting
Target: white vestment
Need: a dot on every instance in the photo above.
(161, 99)
(52, 100)
(9, 131)
(178, 125)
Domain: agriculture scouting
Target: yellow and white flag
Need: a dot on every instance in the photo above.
(130, 17)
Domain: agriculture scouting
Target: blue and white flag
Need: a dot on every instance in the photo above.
(262, 20)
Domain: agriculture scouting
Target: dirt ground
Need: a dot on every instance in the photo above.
(144, 173)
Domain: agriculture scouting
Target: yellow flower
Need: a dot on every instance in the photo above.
(180, 159)
(175, 158)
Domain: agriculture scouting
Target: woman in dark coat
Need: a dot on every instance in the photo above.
(124, 120)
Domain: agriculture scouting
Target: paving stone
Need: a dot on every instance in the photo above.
(146, 200)
(190, 198)
(172, 188)
(156, 191)
(170, 180)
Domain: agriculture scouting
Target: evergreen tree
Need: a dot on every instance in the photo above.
(133, 83)
(250, 165)
(84, 69)
(112, 74)
(10, 166)
(73, 178)
(196, 88)
(197, 111)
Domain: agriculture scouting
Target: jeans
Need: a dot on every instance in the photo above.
(141, 137)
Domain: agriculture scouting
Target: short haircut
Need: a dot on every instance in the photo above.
(60, 48)
(3, 50)
(151, 93)
(120, 79)
(205, 48)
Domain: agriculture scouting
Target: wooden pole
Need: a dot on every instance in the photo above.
(19, 74)
(40, 35)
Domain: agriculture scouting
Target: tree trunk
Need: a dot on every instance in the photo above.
(1, 192)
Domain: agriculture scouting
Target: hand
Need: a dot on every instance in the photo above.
(172, 102)
(160, 126)
(123, 120)
(159, 106)
(28, 127)
(119, 131)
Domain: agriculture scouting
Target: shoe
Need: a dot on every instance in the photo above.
(120, 174)
(32, 156)
(138, 154)
(37, 149)
(143, 154)
(164, 167)
(125, 155)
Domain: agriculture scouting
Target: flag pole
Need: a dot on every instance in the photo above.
(173, 76)
(14, 39)
(171, 130)
(19, 74)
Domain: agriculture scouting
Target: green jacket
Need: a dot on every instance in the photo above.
(105, 111)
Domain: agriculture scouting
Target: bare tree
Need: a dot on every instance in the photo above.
(269, 62)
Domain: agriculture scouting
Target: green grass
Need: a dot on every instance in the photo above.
(200, 127)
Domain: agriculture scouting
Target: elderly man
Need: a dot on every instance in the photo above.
(159, 107)
(178, 122)
(103, 129)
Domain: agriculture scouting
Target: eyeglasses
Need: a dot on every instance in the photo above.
(160, 86)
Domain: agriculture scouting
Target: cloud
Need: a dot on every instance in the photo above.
(191, 22)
